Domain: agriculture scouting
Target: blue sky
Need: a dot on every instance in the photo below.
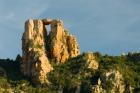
(108, 26)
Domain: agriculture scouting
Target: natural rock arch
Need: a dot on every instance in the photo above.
(40, 47)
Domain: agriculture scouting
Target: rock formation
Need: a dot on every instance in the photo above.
(40, 47)
(35, 62)
(60, 45)
(90, 59)
(113, 79)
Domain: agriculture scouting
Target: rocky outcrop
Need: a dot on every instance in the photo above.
(73, 47)
(91, 60)
(35, 62)
(110, 82)
(40, 47)
(61, 45)
(117, 81)
(98, 88)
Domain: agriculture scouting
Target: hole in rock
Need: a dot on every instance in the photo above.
(48, 28)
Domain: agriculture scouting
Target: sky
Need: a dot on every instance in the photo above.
(108, 26)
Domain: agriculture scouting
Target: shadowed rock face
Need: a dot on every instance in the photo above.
(40, 47)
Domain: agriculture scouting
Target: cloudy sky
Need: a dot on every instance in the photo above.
(108, 26)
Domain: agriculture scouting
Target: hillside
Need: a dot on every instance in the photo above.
(75, 74)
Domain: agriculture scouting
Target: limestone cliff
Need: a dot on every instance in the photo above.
(40, 47)
(35, 62)
(61, 45)
(114, 79)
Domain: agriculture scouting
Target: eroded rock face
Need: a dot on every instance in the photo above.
(90, 59)
(39, 48)
(61, 45)
(73, 47)
(116, 79)
(112, 80)
(35, 62)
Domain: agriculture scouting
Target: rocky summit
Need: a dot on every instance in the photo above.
(41, 47)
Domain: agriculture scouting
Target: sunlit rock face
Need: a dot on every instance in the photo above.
(40, 47)
(91, 60)
(115, 77)
(35, 62)
(61, 45)
(112, 78)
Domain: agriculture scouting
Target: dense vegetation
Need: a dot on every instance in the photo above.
(73, 74)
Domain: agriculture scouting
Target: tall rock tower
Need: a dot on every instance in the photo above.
(35, 62)
(40, 47)
(60, 44)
